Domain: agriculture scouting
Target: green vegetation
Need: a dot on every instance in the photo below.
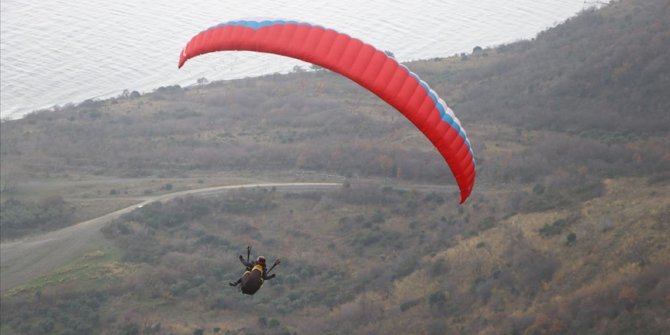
(566, 232)
(18, 217)
(76, 314)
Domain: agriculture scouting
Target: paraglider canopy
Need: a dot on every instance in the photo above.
(360, 62)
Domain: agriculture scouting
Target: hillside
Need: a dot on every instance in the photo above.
(567, 231)
(604, 71)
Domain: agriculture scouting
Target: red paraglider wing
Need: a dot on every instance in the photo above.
(362, 63)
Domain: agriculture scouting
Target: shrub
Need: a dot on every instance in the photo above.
(556, 228)
(409, 304)
(274, 323)
(437, 299)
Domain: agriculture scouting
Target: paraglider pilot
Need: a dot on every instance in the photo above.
(256, 273)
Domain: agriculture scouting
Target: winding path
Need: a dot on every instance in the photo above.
(24, 260)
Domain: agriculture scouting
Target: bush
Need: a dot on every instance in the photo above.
(409, 304)
(488, 223)
(556, 228)
(18, 218)
(437, 299)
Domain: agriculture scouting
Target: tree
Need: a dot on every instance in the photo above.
(298, 69)
(274, 323)
(316, 68)
(437, 299)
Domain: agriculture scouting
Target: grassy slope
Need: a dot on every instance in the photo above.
(339, 261)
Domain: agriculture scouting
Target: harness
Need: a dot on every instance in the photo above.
(260, 269)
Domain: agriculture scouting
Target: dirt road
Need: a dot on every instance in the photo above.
(24, 260)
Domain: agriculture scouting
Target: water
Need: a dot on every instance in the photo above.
(60, 51)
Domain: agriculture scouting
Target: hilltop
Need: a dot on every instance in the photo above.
(566, 231)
